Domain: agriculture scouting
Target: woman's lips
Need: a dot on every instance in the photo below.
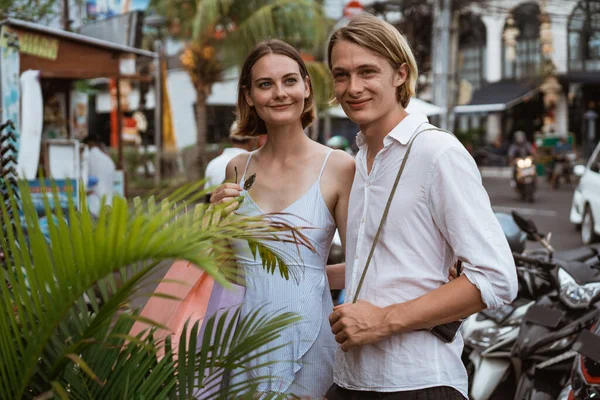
(281, 107)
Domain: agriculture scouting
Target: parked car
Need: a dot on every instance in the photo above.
(585, 209)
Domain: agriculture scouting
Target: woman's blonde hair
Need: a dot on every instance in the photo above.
(249, 123)
(386, 41)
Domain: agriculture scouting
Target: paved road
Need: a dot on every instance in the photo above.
(550, 211)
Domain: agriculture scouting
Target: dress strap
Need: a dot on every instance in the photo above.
(246, 169)
(324, 163)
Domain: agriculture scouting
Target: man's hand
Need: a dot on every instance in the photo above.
(227, 193)
(358, 324)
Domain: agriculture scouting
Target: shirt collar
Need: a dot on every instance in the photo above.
(401, 132)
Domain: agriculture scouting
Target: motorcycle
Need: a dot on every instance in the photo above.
(563, 169)
(490, 334)
(585, 376)
(525, 178)
(542, 355)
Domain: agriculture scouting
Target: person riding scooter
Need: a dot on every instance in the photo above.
(521, 155)
(563, 160)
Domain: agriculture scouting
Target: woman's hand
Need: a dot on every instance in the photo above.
(227, 194)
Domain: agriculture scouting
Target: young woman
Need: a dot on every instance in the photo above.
(310, 184)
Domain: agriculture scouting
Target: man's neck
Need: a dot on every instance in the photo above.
(376, 131)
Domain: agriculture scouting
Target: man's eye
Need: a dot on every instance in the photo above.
(368, 72)
(339, 75)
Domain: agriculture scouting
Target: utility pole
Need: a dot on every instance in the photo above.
(66, 23)
(441, 54)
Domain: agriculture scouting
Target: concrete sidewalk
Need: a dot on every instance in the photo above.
(496, 172)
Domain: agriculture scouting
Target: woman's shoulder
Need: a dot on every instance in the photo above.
(342, 162)
(239, 162)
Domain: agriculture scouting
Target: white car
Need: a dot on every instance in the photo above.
(585, 210)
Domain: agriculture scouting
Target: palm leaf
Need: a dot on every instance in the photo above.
(64, 315)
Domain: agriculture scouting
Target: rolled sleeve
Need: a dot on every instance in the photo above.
(462, 211)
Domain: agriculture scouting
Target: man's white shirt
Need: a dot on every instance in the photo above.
(215, 170)
(440, 212)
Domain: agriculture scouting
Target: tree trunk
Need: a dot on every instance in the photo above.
(201, 131)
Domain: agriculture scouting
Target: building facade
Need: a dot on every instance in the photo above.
(502, 69)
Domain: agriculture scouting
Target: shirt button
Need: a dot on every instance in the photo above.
(356, 257)
(362, 221)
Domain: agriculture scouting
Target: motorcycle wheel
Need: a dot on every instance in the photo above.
(588, 235)
(529, 189)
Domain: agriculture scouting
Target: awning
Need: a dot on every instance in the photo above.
(415, 105)
(499, 96)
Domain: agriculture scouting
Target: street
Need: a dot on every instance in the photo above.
(550, 211)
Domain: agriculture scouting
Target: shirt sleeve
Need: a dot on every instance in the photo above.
(462, 211)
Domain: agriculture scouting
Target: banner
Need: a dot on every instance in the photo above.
(100, 9)
(9, 62)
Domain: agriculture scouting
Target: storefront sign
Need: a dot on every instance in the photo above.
(38, 45)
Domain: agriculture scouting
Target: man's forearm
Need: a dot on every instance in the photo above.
(448, 303)
(336, 275)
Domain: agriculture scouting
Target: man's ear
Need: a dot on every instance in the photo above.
(401, 75)
(248, 97)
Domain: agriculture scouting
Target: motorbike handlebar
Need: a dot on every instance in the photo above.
(534, 261)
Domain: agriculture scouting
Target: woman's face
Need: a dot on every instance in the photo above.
(277, 90)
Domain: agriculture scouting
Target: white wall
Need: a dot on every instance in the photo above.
(182, 96)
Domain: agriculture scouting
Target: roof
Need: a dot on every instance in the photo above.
(499, 96)
(77, 37)
(587, 78)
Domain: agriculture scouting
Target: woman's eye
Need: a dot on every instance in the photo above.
(291, 81)
(264, 85)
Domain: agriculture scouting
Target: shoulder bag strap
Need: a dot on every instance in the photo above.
(387, 209)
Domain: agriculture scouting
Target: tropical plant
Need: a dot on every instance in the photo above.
(65, 298)
(220, 33)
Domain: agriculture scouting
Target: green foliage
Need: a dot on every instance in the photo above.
(65, 310)
(29, 10)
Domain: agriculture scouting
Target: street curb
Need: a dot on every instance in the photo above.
(496, 172)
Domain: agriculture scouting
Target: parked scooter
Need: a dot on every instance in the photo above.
(585, 376)
(543, 355)
(490, 335)
(525, 178)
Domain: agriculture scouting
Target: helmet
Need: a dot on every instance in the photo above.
(514, 235)
(338, 142)
(520, 137)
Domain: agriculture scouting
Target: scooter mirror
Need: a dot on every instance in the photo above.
(525, 224)
(579, 170)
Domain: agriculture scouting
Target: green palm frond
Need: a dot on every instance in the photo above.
(298, 22)
(322, 83)
(64, 299)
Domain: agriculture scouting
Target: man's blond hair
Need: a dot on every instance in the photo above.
(386, 41)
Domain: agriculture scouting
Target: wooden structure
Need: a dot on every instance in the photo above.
(63, 55)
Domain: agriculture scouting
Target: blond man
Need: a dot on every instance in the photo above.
(440, 214)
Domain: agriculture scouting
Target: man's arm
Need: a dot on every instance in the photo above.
(336, 275)
(364, 323)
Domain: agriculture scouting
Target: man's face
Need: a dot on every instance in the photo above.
(364, 83)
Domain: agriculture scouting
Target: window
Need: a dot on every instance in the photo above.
(528, 59)
(472, 39)
(584, 36)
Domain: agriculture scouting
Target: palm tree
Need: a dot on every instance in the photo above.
(221, 33)
(65, 312)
